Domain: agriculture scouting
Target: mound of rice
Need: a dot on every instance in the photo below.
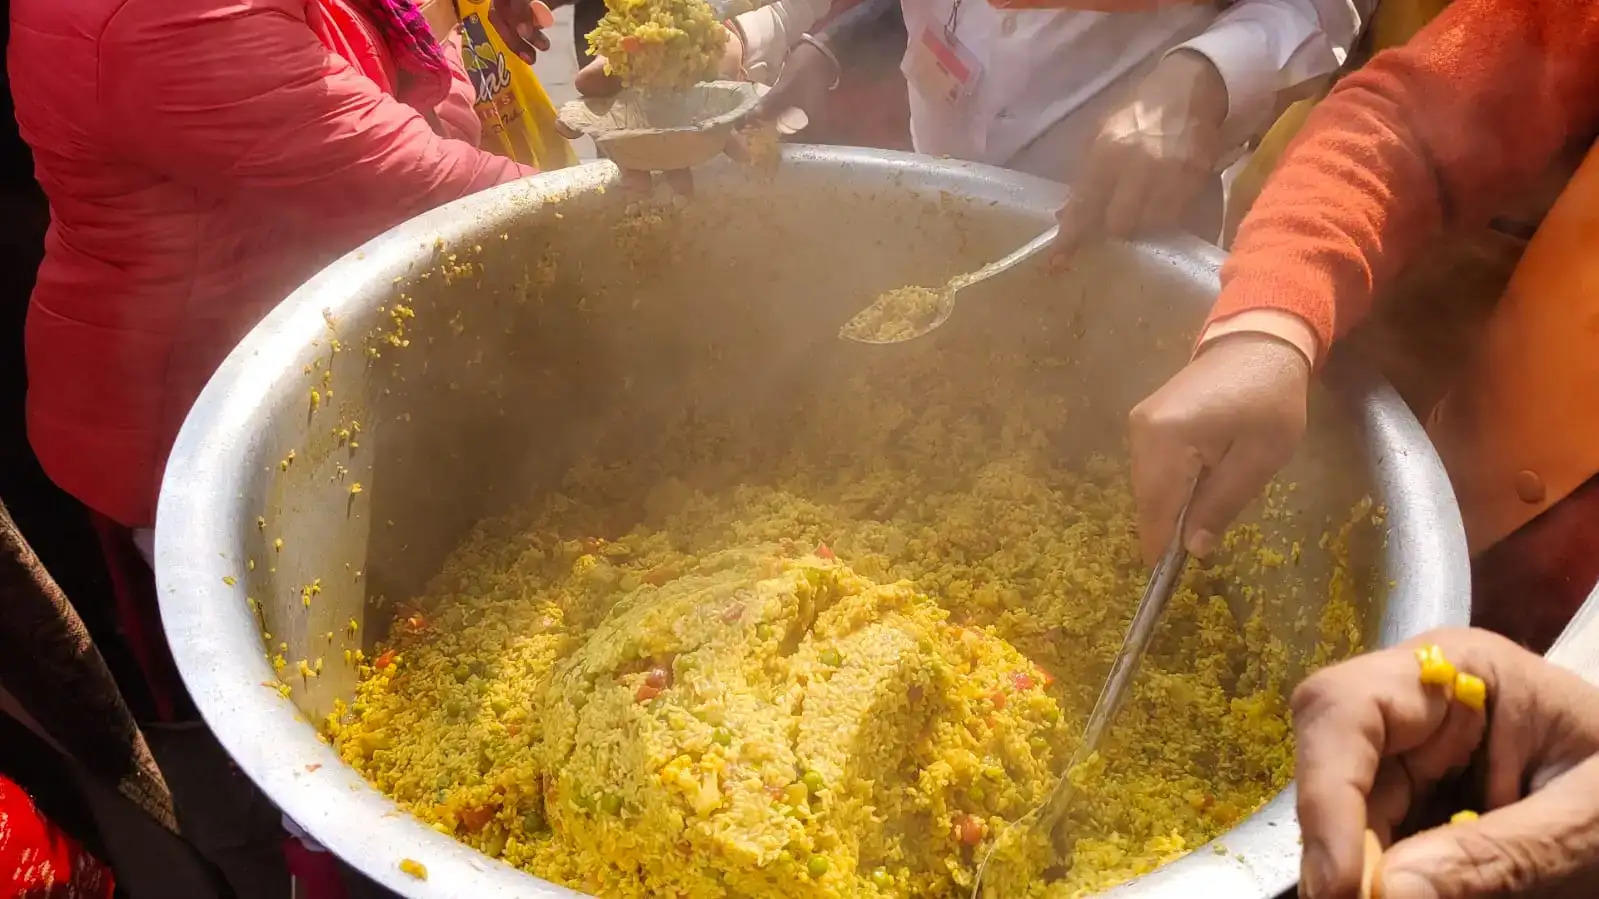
(833, 664)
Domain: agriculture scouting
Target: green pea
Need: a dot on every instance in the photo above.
(611, 804)
(533, 822)
(585, 803)
(462, 672)
(814, 782)
(882, 879)
(831, 658)
(993, 772)
(500, 706)
(722, 736)
(817, 866)
(976, 792)
(1039, 745)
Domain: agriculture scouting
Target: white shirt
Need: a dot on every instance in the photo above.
(1041, 66)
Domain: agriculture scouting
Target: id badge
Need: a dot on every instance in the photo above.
(941, 67)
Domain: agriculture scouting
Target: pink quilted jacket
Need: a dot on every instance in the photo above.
(202, 157)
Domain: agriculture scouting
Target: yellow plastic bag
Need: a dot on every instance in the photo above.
(518, 117)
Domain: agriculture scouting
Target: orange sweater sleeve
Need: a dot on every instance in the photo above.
(1436, 132)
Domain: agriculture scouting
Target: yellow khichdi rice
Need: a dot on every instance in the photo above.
(838, 678)
(659, 44)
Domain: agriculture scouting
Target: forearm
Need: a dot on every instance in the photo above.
(1434, 132)
(1264, 49)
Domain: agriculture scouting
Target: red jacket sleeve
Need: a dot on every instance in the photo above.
(242, 97)
(458, 117)
(1437, 132)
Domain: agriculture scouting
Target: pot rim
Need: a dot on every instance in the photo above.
(217, 648)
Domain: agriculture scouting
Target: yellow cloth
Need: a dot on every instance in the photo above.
(518, 117)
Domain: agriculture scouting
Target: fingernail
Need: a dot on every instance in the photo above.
(1404, 885)
(526, 31)
(1201, 543)
(1315, 871)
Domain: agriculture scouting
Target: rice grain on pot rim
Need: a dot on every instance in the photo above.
(838, 677)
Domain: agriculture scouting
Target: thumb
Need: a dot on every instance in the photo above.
(593, 80)
(1545, 846)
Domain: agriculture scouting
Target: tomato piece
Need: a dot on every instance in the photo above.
(475, 818)
(646, 693)
(824, 552)
(658, 677)
(998, 699)
(1022, 681)
(969, 830)
(385, 660)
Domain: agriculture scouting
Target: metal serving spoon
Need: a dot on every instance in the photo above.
(1157, 594)
(868, 325)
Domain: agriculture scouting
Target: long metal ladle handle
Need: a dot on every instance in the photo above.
(1157, 594)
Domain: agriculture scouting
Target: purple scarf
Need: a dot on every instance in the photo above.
(416, 50)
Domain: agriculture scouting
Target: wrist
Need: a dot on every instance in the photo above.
(819, 43)
(1284, 356)
(1284, 326)
(1207, 90)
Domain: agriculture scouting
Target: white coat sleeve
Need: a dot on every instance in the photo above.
(1263, 47)
(771, 31)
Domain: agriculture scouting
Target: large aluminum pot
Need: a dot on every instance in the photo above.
(488, 394)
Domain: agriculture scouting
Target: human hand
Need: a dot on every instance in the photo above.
(807, 75)
(1152, 155)
(593, 80)
(521, 25)
(1374, 743)
(1235, 412)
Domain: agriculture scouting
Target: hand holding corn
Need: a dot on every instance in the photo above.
(1381, 736)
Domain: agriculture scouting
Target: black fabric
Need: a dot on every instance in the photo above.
(585, 15)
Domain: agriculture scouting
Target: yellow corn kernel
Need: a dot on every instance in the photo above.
(1470, 691)
(414, 868)
(1462, 817)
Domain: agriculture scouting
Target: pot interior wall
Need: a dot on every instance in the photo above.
(468, 384)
